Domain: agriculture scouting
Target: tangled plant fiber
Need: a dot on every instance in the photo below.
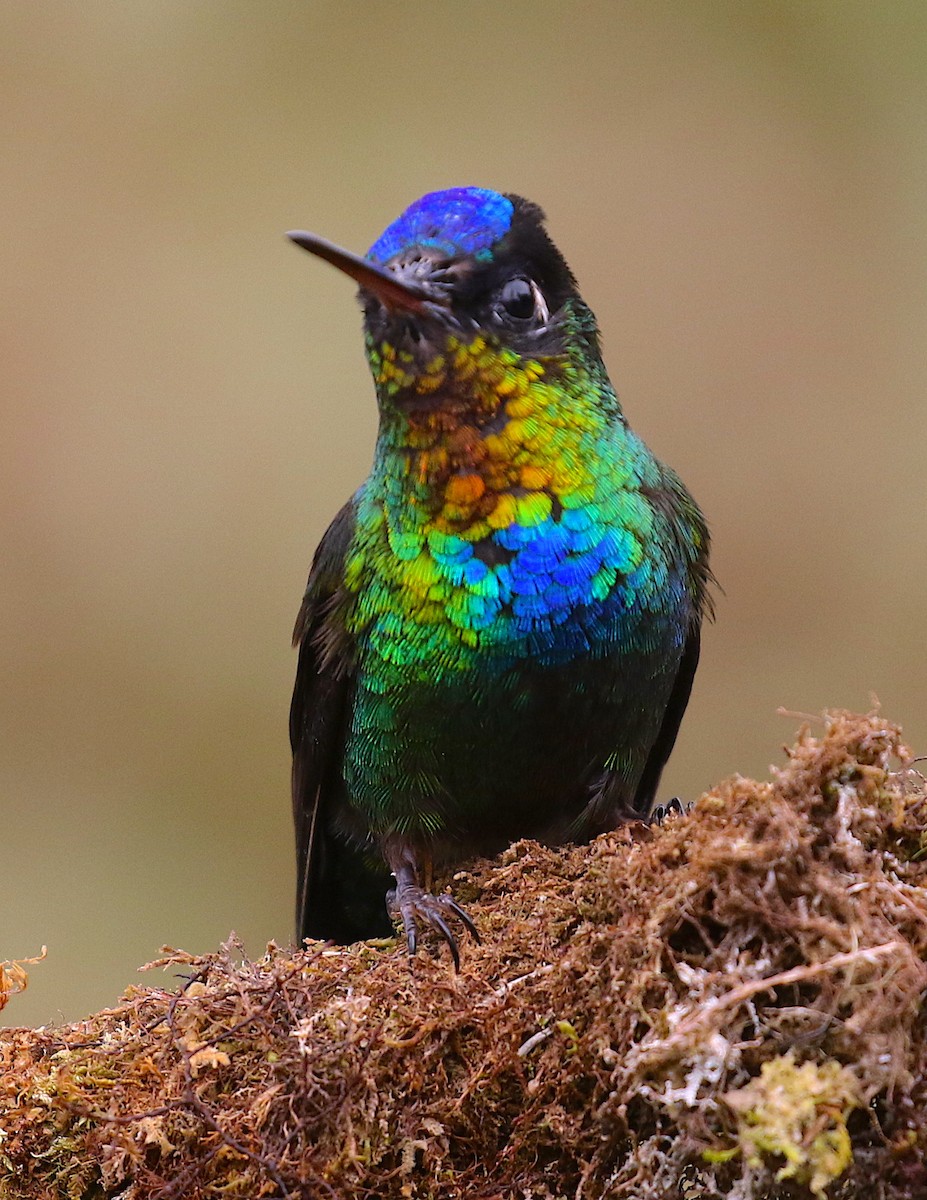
(727, 1005)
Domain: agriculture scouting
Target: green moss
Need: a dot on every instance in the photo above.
(798, 1113)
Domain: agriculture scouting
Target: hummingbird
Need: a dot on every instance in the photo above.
(501, 627)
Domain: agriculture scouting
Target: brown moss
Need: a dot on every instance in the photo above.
(730, 1004)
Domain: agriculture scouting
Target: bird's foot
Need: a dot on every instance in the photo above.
(413, 904)
(672, 807)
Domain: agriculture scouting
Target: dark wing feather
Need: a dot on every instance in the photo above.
(317, 717)
(693, 541)
(666, 738)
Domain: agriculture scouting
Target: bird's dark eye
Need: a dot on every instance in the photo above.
(518, 299)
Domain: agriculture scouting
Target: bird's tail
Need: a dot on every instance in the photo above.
(343, 897)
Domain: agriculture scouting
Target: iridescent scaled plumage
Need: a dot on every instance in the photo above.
(515, 597)
(517, 533)
(528, 486)
(458, 221)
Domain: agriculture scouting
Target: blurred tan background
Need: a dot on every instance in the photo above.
(741, 190)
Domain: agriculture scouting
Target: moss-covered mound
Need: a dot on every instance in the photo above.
(727, 1005)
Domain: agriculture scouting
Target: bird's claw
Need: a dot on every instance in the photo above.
(414, 904)
(674, 807)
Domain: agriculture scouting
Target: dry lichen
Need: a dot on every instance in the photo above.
(800, 1114)
(730, 1005)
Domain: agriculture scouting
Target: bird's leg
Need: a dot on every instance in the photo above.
(413, 903)
(428, 870)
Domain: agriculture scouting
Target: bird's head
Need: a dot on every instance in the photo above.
(460, 269)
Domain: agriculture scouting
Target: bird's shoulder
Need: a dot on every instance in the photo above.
(325, 586)
(687, 531)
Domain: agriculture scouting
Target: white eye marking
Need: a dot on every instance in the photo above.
(540, 304)
(521, 300)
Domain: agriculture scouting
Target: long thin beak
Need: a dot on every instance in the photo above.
(391, 289)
